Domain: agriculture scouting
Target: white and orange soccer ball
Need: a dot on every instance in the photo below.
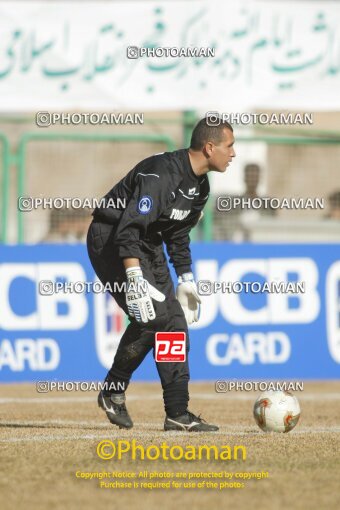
(276, 411)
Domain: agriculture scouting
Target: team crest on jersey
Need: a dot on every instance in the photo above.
(192, 191)
(145, 205)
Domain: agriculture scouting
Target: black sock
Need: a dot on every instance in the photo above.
(176, 398)
(116, 382)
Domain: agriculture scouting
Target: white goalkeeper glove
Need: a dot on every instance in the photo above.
(188, 297)
(139, 295)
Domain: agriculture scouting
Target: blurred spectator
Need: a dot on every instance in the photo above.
(68, 226)
(334, 206)
(248, 215)
(251, 180)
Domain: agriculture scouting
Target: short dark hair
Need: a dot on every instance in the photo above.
(208, 131)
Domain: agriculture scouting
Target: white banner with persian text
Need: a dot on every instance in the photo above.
(182, 55)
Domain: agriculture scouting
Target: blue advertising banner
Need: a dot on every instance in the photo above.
(243, 332)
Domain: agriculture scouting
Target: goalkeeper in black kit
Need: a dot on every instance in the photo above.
(164, 197)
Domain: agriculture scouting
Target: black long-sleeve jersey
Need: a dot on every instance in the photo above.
(163, 200)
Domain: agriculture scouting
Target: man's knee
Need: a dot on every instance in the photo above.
(129, 353)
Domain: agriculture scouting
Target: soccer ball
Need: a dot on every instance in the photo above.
(276, 411)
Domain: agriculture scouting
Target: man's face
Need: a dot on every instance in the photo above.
(220, 155)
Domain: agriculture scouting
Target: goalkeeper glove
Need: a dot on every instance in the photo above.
(188, 297)
(139, 295)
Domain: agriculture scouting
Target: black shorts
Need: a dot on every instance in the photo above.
(139, 338)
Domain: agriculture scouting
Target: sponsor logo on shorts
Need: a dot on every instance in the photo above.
(170, 346)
